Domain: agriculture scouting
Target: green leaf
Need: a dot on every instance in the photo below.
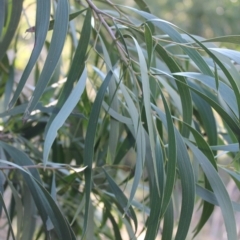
(175, 36)
(30, 212)
(183, 90)
(146, 101)
(143, 6)
(228, 39)
(225, 71)
(139, 135)
(204, 147)
(149, 43)
(121, 199)
(42, 22)
(186, 176)
(188, 188)
(19, 207)
(207, 117)
(9, 87)
(218, 189)
(54, 53)
(6, 212)
(63, 114)
(114, 125)
(16, 10)
(210, 197)
(44, 202)
(78, 63)
(2, 15)
(168, 222)
(89, 144)
(51, 23)
(172, 154)
(232, 54)
(155, 198)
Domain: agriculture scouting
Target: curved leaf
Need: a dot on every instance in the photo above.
(42, 22)
(54, 53)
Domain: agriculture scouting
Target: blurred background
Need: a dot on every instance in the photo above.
(206, 18)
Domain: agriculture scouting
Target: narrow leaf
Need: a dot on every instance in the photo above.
(7, 215)
(16, 10)
(63, 114)
(89, 144)
(78, 64)
(121, 199)
(54, 53)
(219, 190)
(42, 22)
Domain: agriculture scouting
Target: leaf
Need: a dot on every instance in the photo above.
(19, 207)
(2, 15)
(9, 87)
(234, 147)
(8, 218)
(54, 53)
(219, 190)
(139, 135)
(155, 198)
(210, 197)
(89, 144)
(121, 199)
(51, 23)
(114, 125)
(172, 154)
(42, 22)
(16, 10)
(78, 64)
(188, 187)
(228, 39)
(204, 147)
(183, 89)
(175, 36)
(232, 54)
(63, 114)
(45, 204)
(224, 90)
(186, 176)
(149, 43)
(227, 115)
(143, 6)
(146, 100)
(30, 212)
(168, 222)
(207, 118)
(225, 71)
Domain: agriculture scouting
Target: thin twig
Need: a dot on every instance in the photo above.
(102, 20)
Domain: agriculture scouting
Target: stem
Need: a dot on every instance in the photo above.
(99, 13)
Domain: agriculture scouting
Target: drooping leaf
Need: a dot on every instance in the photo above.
(89, 144)
(122, 199)
(42, 22)
(219, 190)
(16, 10)
(62, 115)
(78, 64)
(54, 53)
(7, 215)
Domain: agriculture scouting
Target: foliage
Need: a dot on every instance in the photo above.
(116, 124)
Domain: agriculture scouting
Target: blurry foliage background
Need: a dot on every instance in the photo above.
(206, 18)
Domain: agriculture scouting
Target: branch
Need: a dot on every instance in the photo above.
(99, 13)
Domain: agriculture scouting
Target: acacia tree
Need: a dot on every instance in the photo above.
(115, 125)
